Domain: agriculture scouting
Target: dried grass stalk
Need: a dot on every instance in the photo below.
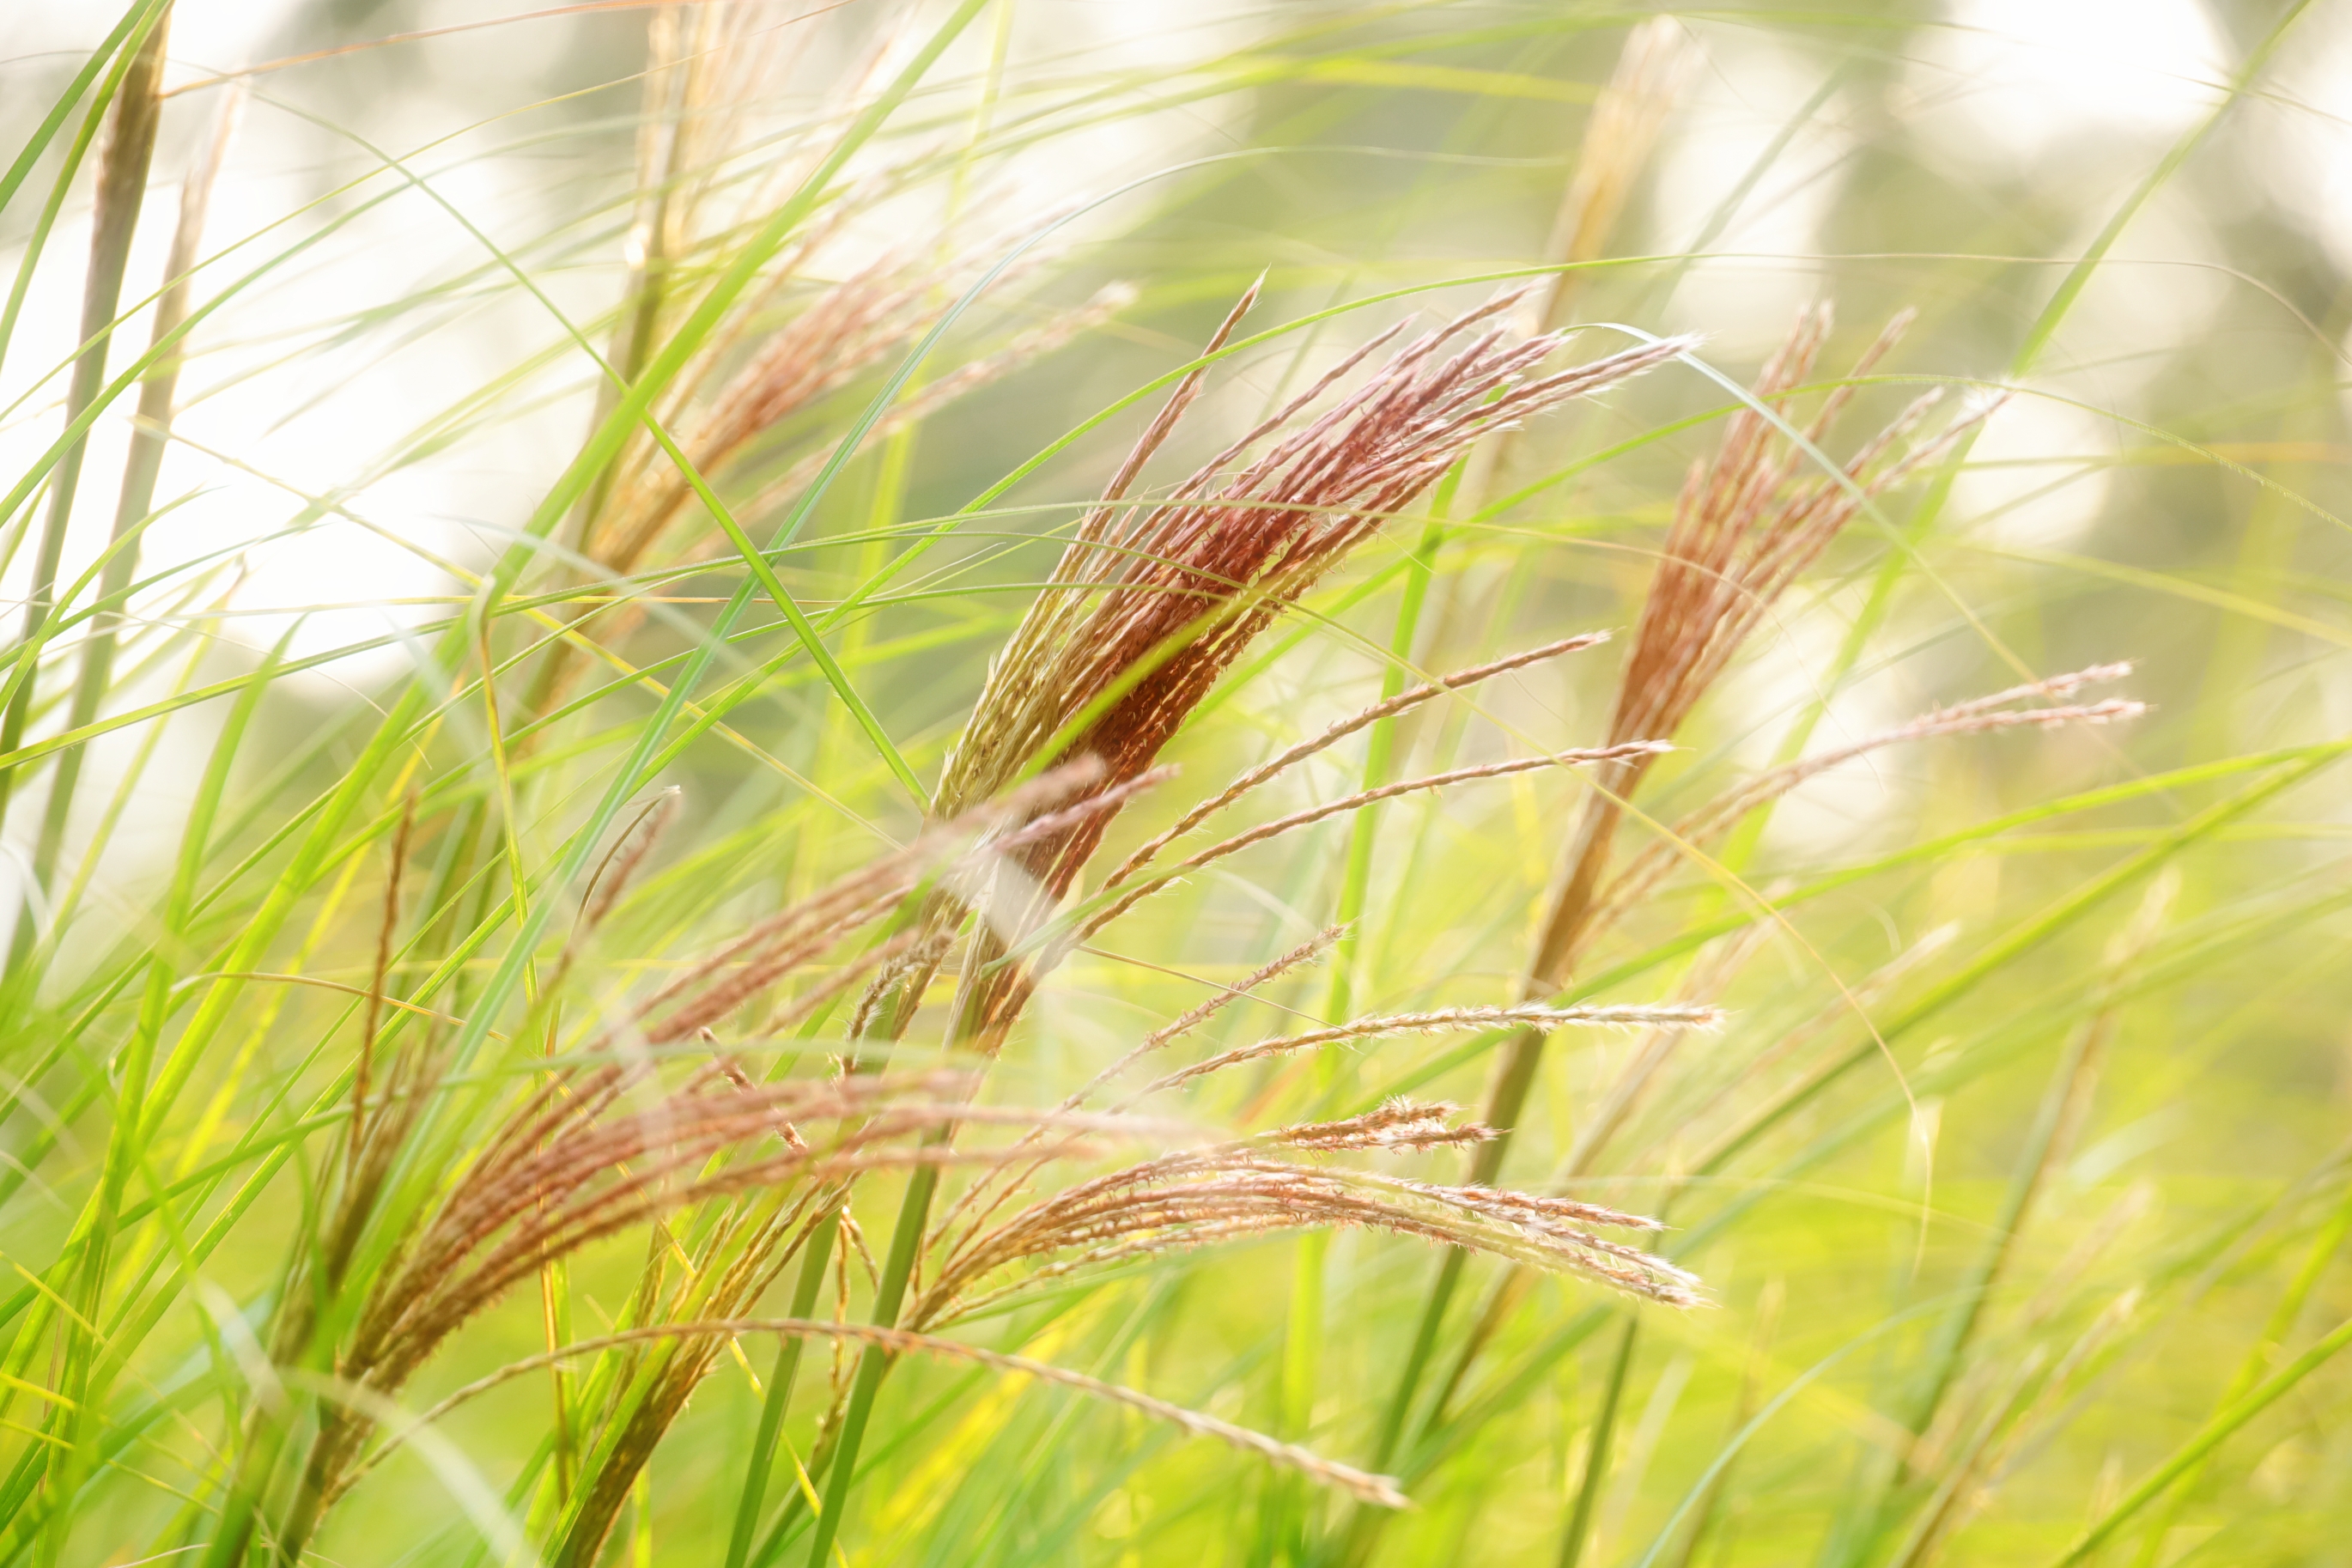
(1153, 601)
(1402, 702)
(1747, 525)
(1377, 1489)
(1655, 65)
(1137, 892)
(1981, 715)
(569, 1169)
(1677, 1016)
(1236, 1189)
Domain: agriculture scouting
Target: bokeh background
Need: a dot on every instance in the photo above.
(2164, 484)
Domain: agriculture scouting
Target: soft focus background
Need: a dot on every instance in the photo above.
(2115, 1092)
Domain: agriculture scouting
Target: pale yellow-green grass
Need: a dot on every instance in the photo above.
(1002, 781)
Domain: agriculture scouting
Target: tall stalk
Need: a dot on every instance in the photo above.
(142, 468)
(121, 191)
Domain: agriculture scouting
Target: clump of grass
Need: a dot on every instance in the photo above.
(520, 1068)
(1152, 605)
